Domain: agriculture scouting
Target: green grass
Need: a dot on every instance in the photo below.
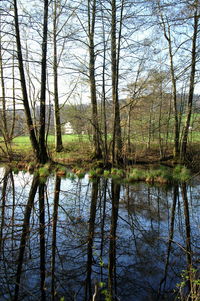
(51, 139)
(162, 175)
(75, 146)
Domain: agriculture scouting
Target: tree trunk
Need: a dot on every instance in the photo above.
(31, 129)
(42, 145)
(117, 140)
(167, 35)
(3, 118)
(191, 88)
(58, 133)
(95, 123)
(112, 277)
(104, 97)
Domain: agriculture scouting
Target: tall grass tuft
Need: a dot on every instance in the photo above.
(136, 175)
(181, 173)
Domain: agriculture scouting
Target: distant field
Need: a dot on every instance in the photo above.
(66, 138)
(22, 144)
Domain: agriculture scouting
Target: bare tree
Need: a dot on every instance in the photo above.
(115, 58)
(38, 145)
(93, 94)
(58, 133)
(167, 34)
(195, 7)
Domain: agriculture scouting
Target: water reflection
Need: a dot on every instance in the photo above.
(96, 240)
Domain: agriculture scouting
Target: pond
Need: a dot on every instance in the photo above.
(77, 239)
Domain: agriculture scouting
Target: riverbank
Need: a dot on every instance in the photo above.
(78, 152)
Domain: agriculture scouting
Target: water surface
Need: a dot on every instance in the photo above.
(79, 239)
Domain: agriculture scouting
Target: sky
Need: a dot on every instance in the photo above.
(73, 82)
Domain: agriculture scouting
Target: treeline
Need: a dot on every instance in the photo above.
(122, 71)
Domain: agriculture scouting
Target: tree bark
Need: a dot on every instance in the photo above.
(58, 133)
(167, 35)
(31, 129)
(117, 140)
(95, 123)
(42, 145)
(192, 84)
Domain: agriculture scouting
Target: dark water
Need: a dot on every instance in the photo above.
(80, 240)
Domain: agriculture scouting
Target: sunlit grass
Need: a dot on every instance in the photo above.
(25, 140)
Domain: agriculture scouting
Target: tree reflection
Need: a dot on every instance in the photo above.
(42, 240)
(90, 240)
(25, 233)
(188, 234)
(3, 203)
(99, 240)
(54, 234)
(171, 236)
(112, 281)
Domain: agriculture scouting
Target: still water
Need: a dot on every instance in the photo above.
(73, 239)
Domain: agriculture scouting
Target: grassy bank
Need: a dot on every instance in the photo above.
(78, 151)
(76, 148)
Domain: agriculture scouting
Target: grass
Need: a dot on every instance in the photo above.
(51, 139)
(76, 149)
(161, 175)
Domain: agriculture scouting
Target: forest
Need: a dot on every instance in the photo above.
(99, 150)
(125, 73)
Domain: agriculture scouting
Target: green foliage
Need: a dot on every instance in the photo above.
(99, 171)
(61, 171)
(161, 175)
(44, 171)
(31, 167)
(106, 173)
(136, 175)
(92, 174)
(101, 262)
(71, 176)
(15, 170)
(80, 173)
(194, 293)
(117, 173)
(107, 295)
(181, 173)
